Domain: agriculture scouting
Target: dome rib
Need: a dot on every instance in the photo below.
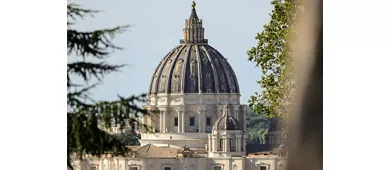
(157, 73)
(229, 73)
(215, 77)
(234, 78)
(183, 70)
(223, 76)
(200, 74)
(171, 69)
(226, 123)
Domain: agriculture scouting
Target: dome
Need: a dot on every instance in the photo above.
(226, 123)
(194, 66)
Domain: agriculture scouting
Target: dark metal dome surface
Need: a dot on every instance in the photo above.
(192, 68)
(226, 123)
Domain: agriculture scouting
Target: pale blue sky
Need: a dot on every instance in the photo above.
(230, 27)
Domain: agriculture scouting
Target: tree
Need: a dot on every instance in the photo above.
(257, 127)
(128, 138)
(273, 54)
(90, 50)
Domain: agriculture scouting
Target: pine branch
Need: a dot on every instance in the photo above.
(75, 11)
(96, 43)
(78, 98)
(83, 118)
(87, 70)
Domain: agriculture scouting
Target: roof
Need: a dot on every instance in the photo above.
(193, 15)
(150, 151)
(194, 68)
(226, 122)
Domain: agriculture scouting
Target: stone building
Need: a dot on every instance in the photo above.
(201, 125)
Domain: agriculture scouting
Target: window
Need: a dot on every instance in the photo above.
(221, 144)
(176, 121)
(192, 121)
(208, 121)
(133, 168)
(167, 168)
(280, 167)
(93, 168)
(263, 168)
(217, 168)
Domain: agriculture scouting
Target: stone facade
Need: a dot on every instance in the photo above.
(234, 163)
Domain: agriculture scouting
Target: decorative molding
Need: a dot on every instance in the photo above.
(135, 166)
(217, 164)
(223, 98)
(176, 99)
(167, 165)
(268, 166)
(161, 99)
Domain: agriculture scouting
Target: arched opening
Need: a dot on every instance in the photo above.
(281, 167)
(233, 144)
(220, 145)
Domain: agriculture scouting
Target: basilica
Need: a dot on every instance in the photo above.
(201, 124)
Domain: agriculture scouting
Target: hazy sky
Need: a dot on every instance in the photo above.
(230, 27)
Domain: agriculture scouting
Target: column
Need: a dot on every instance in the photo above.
(178, 121)
(226, 146)
(244, 144)
(165, 122)
(196, 34)
(235, 112)
(161, 119)
(209, 143)
(191, 34)
(239, 144)
(200, 120)
(182, 122)
(244, 116)
(204, 122)
(215, 144)
(154, 122)
(188, 33)
(185, 33)
(150, 122)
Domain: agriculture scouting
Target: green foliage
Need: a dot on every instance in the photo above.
(128, 138)
(257, 127)
(84, 135)
(273, 54)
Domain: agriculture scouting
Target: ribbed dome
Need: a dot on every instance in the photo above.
(226, 123)
(194, 66)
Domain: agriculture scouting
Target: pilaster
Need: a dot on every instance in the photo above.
(201, 119)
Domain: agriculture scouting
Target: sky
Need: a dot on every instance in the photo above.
(156, 28)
